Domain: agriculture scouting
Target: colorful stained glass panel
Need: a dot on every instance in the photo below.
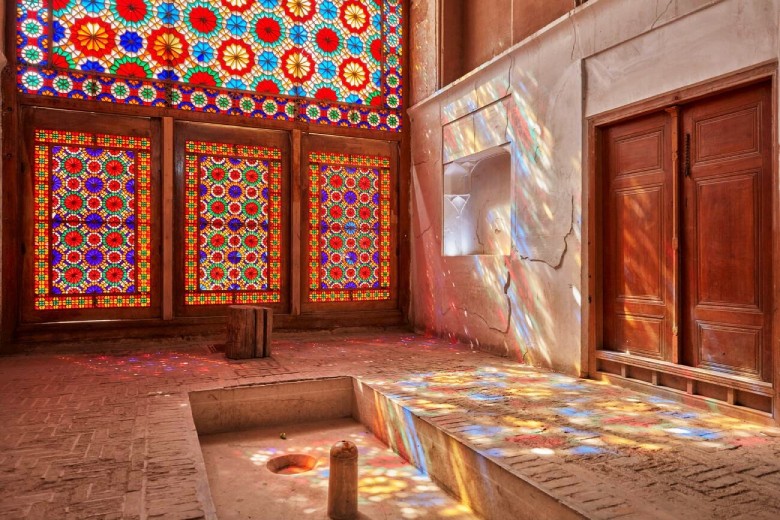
(232, 223)
(244, 57)
(121, 37)
(92, 210)
(349, 227)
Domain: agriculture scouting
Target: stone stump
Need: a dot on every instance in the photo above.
(248, 332)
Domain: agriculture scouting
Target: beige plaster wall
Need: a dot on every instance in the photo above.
(423, 16)
(606, 54)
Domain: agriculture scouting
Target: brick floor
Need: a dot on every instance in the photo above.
(88, 435)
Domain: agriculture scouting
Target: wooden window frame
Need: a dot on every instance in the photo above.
(35, 119)
(183, 132)
(14, 332)
(169, 313)
(321, 143)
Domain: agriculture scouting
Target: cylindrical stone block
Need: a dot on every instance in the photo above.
(343, 481)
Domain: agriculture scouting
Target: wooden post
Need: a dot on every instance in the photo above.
(298, 198)
(268, 325)
(167, 220)
(342, 481)
(248, 332)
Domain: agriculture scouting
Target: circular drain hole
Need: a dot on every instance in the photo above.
(291, 464)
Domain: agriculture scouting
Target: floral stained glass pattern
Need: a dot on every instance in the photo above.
(91, 219)
(349, 227)
(232, 223)
(262, 58)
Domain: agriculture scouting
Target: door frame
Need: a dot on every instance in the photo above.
(650, 374)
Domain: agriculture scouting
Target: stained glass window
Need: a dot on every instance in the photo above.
(349, 227)
(232, 223)
(326, 61)
(91, 220)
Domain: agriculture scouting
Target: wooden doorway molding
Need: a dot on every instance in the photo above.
(740, 397)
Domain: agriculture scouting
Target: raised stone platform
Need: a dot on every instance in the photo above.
(111, 436)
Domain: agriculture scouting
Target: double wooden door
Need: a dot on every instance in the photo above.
(687, 234)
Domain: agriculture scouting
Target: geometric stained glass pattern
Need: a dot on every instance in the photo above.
(91, 220)
(314, 110)
(335, 62)
(232, 223)
(349, 227)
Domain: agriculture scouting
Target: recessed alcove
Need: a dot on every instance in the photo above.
(475, 215)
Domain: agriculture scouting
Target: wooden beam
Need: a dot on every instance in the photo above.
(102, 107)
(775, 251)
(54, 332)
(167, 220)
(689, 373)
(402, 206)
(674, 355)
(592, 280)
(296, 219)
(12, 144)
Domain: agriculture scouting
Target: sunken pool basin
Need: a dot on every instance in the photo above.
(242, 485)
(266, 447)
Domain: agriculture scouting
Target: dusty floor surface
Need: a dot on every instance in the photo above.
(388, 487)
(88, 435)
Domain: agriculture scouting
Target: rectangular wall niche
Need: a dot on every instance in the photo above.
(476, 204)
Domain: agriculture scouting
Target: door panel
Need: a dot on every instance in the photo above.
(728, 269)
(91, 217)
(727, 233)
(727, 135)
(231, 219)
(637, 154)
(639, 276)
(638, 227)
(350, 260)
(729, 348)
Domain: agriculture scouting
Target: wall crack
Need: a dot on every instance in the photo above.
(565, 244)
(424, 231)
(668, 5)
(467, 311)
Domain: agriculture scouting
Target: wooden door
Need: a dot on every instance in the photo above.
(727, 233)
(638, 231)
(91, 233)
(350, 257)
(232, 215)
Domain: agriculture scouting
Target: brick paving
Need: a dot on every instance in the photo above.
(110, 435)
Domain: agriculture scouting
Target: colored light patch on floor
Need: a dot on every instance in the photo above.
(388, 486)
(639, 467)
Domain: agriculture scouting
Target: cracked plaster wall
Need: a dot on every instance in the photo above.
(603, 55)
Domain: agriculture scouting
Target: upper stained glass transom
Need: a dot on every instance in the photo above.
(194, 54)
